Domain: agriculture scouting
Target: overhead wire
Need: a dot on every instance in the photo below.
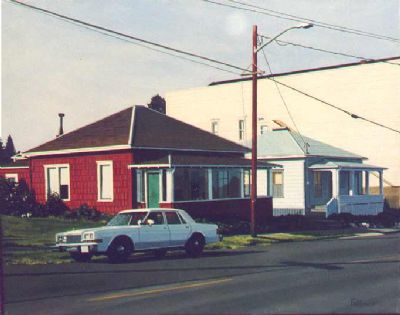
(134, 38)
(280, 15)
(284, 103)
(120, 35)
(286, 43)
(352, 115)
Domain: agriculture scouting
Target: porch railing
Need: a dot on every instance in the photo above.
(361, 204)
(331, 207)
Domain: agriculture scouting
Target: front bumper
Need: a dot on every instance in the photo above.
(86, 247)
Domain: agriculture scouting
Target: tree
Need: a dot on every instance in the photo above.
(8, 151)
(158, 103)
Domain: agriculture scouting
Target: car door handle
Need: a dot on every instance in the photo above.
(186, 226)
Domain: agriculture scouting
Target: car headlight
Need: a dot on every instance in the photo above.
(88, 236)
(59, 238)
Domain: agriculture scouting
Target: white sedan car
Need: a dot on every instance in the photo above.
(158, 230)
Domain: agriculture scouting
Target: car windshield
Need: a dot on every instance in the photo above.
(127, 218)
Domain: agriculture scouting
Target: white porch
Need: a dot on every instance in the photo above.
(344, 187)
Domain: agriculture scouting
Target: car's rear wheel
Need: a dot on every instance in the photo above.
(195, 245)
(120, 250)
(80, 257)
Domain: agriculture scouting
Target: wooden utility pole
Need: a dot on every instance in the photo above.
(254, 137)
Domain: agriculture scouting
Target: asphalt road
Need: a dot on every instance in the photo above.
(359, 275)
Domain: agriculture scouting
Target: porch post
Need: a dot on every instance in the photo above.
(367, 182)
(381, 182)
(351, 183)
(335, 183)
(241, 183)
(170, 185)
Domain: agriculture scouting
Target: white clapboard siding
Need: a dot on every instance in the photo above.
(293, 185)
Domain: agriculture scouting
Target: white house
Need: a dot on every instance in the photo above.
(317, 178)
(368, 88)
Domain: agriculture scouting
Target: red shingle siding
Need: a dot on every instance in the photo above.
(83, 179)
(23, 173)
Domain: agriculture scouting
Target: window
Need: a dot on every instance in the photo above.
(226, 183)
(277, 184)
(163, 185)
(12, 178)
(105, 184)
(57, 180)
(317, 184)
(246, 183)
(172, 217)
(190, 184)
(263, 129)
(241, 129)
(157, 217)
(358, 180)
(140, 186)
(214, 127)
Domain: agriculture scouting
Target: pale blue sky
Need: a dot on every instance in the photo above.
(50, 66)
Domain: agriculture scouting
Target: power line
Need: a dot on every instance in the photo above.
(285, 16)
(284, 103)
(322, 24)
(352, 115)
(285, 43)
(122, 35)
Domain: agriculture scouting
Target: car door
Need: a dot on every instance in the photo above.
(179, 230)
(154, 232)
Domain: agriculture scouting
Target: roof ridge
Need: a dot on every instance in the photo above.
(79, 128)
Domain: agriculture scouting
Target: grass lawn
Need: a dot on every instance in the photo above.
(27, 241)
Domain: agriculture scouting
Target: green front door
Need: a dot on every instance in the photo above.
(153, 190)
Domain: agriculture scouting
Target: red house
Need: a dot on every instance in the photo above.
(141, 158)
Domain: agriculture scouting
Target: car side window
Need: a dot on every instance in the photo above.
(172, 218)
(182, 219)
(157, 217)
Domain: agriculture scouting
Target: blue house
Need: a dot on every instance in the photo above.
(317, 178)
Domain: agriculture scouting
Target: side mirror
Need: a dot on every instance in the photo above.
(139, 222)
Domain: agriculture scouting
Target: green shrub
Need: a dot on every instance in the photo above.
(55, 205)
(86, 212)
(16, 198)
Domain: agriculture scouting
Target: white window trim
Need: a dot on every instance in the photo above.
(57, 166)
(99, 164)
(9, 176)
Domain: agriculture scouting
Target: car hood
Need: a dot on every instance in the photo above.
(98, 229)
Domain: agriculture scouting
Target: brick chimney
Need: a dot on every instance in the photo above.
(61, 130)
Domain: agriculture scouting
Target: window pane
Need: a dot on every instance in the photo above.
(106, 184)
(64, 182)
(226, 183)
(172, 218)
(190, 184)
(277, 180)
(246, 183)
(52, 181)
(157, 217)
(163, 185)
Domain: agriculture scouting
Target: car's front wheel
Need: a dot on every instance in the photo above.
(120, 250)
(80, 257)
(195, 245)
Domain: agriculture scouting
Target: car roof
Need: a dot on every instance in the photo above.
(148, 210)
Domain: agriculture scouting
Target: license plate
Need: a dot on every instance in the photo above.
(84, 249)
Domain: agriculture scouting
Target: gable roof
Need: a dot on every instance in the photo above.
(137, 127)
(285, 143)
